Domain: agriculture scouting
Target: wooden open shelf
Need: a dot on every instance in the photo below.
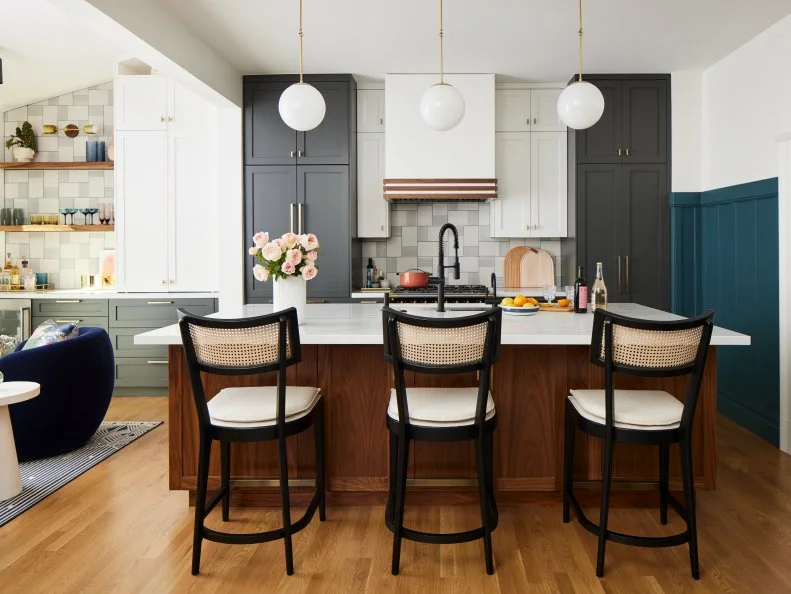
(51, 228)
(59, 165)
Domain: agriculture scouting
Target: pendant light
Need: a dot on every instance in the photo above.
(301, 105)
(581, 104)
(442, 105)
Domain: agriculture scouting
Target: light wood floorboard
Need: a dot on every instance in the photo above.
(118, 528)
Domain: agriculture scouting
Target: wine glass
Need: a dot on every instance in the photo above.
(103, 214)
(84, 212)
(72, 212)
(549, 293)
(65, 213)
(569, 289)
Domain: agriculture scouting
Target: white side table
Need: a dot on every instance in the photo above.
(11, 393)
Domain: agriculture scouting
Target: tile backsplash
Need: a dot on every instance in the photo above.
(414, 229)
(64, 256)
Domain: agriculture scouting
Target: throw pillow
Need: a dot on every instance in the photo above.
(50, 332)
(7, 344)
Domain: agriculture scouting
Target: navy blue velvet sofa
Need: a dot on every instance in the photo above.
(77, 377)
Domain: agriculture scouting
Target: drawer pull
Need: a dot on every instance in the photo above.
(315, 300)
(160, 303)
(157, 362)
(68, 301)
(68, 321)
(368, 301)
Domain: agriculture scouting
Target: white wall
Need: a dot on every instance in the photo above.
(413, 150)
(746, 105)
(686, 88)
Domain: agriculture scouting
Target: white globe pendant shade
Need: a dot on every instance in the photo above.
(302, 107)
(580, 105)
(442, 106)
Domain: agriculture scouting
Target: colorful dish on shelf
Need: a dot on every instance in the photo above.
(525, 310)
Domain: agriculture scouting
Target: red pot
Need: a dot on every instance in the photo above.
(414, 279)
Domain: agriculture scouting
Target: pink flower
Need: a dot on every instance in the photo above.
(287, 268)
(260, 273)
(290, 239)
(272, 251)
(310, 242)
(253, 250)
(260, 239)
(309, 272)
(293, 257)
(280, 243)
(312, 256)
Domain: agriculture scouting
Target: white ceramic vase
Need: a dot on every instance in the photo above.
(290, 292)
(23, 155)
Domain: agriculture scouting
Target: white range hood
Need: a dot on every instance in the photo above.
(453, 165)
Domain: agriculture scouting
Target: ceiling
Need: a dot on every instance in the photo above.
(45, 54)
(532, 40)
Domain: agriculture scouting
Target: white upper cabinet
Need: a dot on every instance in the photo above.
(527, 110)
(155, 103)
(509, 214)
(371, 110)
(373, 211)
(548, 184)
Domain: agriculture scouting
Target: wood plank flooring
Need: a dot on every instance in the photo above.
(117, 528)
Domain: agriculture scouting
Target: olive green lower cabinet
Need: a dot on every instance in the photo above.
(139, 370)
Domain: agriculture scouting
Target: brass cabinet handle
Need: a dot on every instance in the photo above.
(68, 301)
(157, 362)
(291, 217)
(299, 217)
(367, 301)
(527, 121)
(381, 121)
(620, 152)
(300, 153)
(170, 118)
(164, 282)
(626, 152)
(160, 303)
(619, 274)
(314, 300)
(292, 154)
(535, 120)
(67, 321)
(162, 118)
(627, 274)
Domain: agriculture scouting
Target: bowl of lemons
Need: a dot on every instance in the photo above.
(519, 305)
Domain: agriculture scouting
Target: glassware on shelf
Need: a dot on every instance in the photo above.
(89, 211)
(18, 216)
(64, 211)
(5, 280)
(85, 212)
(5, 216)
(105, 212)
(72, 212)
(549, 293)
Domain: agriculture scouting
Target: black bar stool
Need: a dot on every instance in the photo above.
(441, 346)
(268, 343)
(653, 417)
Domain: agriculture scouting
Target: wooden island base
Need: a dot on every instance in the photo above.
(530, 384)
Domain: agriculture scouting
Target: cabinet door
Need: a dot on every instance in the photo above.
(270, 199)
(141, 103)
(600, 143)
(645, 122)
(548, 183)
(142, 197)
(371, 110)
(323, 194)
(600, 221)
(646, 277)
(267, 138)
(544, 110)
(510, 211)
(329, 142)
(187, 110)
(373, 211)
(512, 110)
(193, 213)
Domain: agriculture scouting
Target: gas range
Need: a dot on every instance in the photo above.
(430, 294)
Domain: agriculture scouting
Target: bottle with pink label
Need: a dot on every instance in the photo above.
(580, 292)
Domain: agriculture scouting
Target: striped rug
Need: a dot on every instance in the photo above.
(41, 478)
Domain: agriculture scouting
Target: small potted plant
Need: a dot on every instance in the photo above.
(23, 143)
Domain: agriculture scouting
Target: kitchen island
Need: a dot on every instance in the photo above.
(543, 356)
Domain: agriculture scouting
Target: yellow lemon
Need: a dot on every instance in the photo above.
(507, 301)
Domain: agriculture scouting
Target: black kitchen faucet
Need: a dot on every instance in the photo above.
(442, 266)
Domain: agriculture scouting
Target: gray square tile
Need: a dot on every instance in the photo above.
(440, 220)
(409, 250)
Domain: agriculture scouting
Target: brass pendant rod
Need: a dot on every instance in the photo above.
(300, 41)
(441, 56)
(580, 38)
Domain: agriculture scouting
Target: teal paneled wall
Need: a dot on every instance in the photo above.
(724, 250)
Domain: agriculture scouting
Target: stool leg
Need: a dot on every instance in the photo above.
(689, 496)
(568, 461)
(391, 493)
(400, 496)
(225, 471)
(204, 456)
(605, 504)
(320, 471)
(488, 459)
(664, 463)
(281, 450)
(483, 493)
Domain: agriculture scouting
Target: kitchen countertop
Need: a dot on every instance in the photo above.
(501, 292)
(100, 294)
(355, 323)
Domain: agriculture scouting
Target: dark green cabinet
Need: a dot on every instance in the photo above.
(303, 181)
(621, 178)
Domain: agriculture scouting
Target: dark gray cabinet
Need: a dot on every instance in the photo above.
(313, 191)
(621, 195)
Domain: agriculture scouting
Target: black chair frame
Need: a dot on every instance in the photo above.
(287, 321)
(682, 435)
(402, 432)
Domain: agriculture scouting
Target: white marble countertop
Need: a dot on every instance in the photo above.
(100, 294)
(355, 323)
(501, 292)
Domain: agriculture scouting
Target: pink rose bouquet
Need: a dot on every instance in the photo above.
(285, 256)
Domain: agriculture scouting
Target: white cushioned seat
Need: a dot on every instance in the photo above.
(632, 409)
(256, 406)
(440, 407)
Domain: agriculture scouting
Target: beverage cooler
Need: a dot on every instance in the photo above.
(15, 318)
